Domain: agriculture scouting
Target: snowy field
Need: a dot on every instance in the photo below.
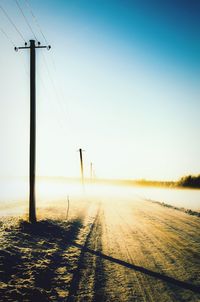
(112, 245)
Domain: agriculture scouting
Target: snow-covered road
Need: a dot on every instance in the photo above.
(113, 248)
(138, 251)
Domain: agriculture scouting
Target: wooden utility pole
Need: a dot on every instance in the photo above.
(32, 203)
(81, 163)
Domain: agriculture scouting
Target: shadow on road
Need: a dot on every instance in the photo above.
(30, 258)
(141, 269)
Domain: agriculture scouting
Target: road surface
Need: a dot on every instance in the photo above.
(138, 251)
(114, 249)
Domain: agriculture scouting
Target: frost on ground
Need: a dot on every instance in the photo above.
(114, 251)
(34, 266)
(139, 251)
(37, 261)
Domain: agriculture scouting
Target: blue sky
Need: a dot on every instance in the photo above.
(122, 83)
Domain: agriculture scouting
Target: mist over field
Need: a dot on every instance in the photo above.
(100, 243)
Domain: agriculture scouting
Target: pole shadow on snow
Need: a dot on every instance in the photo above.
(24, 249)
(159, 276)
(95, 269)
(33, 253)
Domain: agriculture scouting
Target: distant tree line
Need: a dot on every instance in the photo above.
(190, 181)
(154, 183)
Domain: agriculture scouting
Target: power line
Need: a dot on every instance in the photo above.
(13, 24)
(6, 35)
(56, 87)
(57, 90)
(38, 26)
(18, 5)
(40, 30)
(18, 31)
(45, 62)
(59, 111)
(10, 40)
(53, 84)
(52, 58)
(36, 21)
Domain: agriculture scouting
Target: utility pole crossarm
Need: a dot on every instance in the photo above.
(48, 47)
(32, 47)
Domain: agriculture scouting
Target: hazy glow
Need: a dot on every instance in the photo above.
(128, 76)
(53, 196)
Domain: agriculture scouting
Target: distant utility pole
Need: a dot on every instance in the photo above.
(81, 162)
(32, 47)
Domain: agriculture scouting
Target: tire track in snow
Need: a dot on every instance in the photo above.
(85, 281)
